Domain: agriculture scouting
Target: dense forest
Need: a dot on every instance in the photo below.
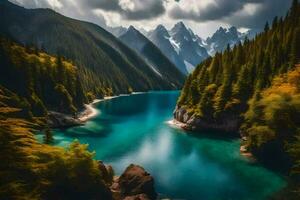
(254, 88)
(42, 82)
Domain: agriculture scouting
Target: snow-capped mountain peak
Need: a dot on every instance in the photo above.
(183, 47)
(222, 37)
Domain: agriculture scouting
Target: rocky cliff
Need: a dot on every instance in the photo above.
(192, 122)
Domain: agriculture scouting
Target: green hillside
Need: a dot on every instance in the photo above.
(43, 82)
(106, 66)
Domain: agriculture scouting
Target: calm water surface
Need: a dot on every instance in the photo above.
(133, 129)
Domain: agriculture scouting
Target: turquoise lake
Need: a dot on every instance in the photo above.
(134, 129)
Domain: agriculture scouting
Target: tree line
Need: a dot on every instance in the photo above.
(257, 83)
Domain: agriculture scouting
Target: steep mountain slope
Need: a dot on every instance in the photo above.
(161, 38)
(106, 65)
(152, 55)
(189, 47)
(253, 90)
(180, 45)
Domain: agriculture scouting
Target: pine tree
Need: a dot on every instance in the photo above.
(267, 27)
(48, 137)
(275, 23)
(295, 49)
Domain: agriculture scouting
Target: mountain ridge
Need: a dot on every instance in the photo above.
(106, 65)
(151, 54)
(178, 45)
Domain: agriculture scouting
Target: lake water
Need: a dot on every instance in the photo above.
(133, 129)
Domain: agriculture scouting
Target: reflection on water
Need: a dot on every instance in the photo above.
(132, 129)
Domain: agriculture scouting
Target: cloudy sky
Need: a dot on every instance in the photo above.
(203, 16)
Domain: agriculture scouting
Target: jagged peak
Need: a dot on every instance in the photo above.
(161, 30)
(131, 28)
(161, 27)
(179, 25)
(180, 29)
(233, 28)
(221, 30)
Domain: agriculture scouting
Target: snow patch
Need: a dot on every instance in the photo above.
(199, 52)
(175, 45)
(189, 66)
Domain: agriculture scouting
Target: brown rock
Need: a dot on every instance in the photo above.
(136, 183)
(228, 123)
(60, 120)
(107, 172)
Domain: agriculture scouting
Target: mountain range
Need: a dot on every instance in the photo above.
(151, 54)
(222, 37)
(182, 46)
(106, 65)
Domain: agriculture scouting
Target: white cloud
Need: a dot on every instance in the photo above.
(127, 4)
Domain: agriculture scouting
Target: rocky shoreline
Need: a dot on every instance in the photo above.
(189, 122)
(61, 120)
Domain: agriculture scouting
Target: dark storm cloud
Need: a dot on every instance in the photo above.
(213, 11)
(142, 9)
(266, 12)
(227, 10)
(156, 9)
(108, 5)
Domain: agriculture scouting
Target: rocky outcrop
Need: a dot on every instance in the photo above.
(107, 172)
(134, 184)
(60, 120)
(193, 123)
